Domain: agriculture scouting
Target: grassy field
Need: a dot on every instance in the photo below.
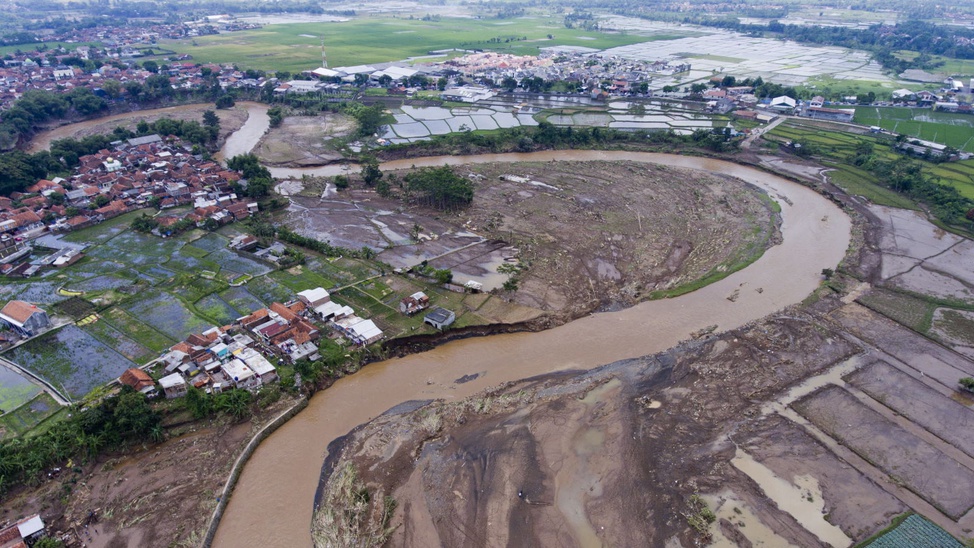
(827, 85)
(297, 47)
(27, 416)
(836, 147)
(955, 130)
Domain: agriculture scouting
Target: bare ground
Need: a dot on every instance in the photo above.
(157, 495)
(814, 427)
(230, 121)
(590, 235)
(305, 140)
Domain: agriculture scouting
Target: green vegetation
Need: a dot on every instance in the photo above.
(946, 128)
(904, 308)
(910, 530)
(438, 187)
(699, 516)
(117, 421)
(29, 415)
(297, 47)
(871, 163)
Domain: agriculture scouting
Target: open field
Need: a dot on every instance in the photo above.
(623, 222)
(946, 128)
(71, 360)
(836, 147)
(296, 47)
(713, 51)
(28, 416)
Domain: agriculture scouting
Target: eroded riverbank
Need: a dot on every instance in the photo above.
(281, 477)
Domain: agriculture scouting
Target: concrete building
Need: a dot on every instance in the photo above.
(440, 318)
(173, 386)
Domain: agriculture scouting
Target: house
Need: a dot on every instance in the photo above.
(23, 533)
(783, 104)
(243, 242)
(264, 370)
(361, 332)
(173, 386)
(314, 298)
(440, 318)
(24, 318)
(817, 101)
(138, 380)
(240, 374)
(414, 303)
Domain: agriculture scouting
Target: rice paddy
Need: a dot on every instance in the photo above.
(946, 128)
(296, 47)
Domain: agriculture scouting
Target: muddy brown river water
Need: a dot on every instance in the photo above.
(272, 503)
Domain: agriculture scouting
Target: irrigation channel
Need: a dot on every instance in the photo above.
(272, 503)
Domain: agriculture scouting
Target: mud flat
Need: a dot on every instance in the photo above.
(911, 461)
(304, 140)
(815, 235)
(946, 418)
(850, 500)
(575, 459)
(584, 235)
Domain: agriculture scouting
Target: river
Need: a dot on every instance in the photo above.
(272, 504)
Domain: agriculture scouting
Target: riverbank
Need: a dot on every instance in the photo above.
(815, 236)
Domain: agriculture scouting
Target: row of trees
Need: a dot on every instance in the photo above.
(906, 176)
(38, 106)
(116, 422)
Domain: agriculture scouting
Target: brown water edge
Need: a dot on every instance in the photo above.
(43, 140)
(272, 504)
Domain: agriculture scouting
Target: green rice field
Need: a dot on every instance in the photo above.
(946, 128)
(296, 47)
(837, 146)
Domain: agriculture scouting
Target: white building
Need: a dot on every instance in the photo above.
(239, 374)
(173, 386)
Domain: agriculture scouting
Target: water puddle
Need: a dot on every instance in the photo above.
(832, 376)
(728, 507)
(802, 499)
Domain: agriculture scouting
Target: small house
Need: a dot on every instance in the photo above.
(414, 303)
(138, 379)
(24, 318)
(23, 533)
(440, 318)
(237, 372)
(173, 386)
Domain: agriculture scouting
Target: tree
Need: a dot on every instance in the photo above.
(144, 223)
(370, 171)
(225, 101)
(113, 88)
(151, 66)
(210, 119)
(341, 182)
(967, 383)
(439, 187)
(443, 276)
(199, 404)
